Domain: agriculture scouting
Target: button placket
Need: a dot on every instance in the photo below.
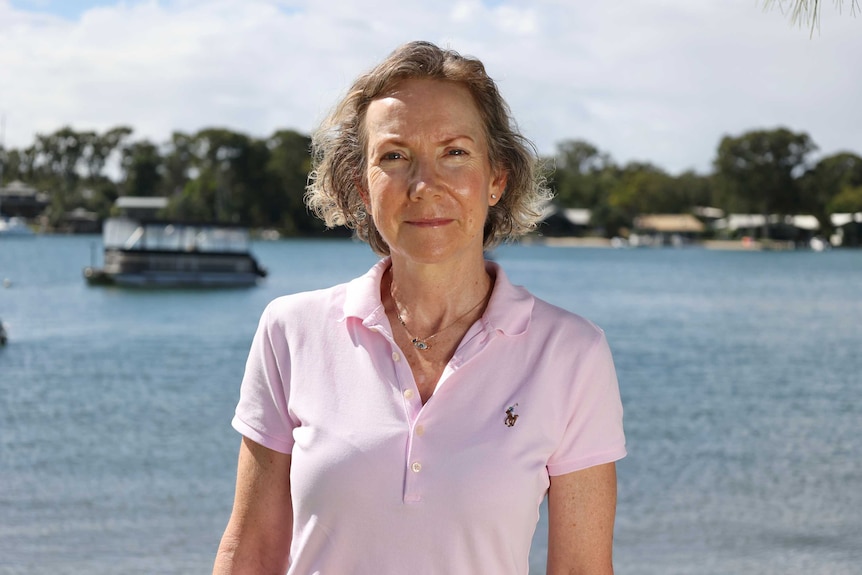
(414, 470)
(415, 442)
(415, 464)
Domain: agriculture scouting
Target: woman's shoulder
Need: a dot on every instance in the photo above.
(516, 310)
(354, 297)
(548, 316)
(314, 303)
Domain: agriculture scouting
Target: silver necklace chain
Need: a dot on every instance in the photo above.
(421, 343)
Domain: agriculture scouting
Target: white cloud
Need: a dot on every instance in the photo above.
(659, 80)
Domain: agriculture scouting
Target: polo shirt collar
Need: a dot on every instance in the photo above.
(362, 297)
(509, 309)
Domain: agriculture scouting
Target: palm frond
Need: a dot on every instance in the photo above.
(808, 12)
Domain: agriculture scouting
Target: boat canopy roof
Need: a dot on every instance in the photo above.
(128, 234)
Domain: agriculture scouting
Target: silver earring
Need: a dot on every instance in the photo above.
(493, 196)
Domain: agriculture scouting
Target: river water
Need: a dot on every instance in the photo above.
(740, 372)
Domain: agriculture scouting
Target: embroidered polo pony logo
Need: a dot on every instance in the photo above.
(511, 416)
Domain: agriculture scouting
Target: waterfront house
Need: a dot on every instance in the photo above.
(666, 230)
(564, 222)
(80, 221)
(848, 230)
(18, 199)
(799, 229)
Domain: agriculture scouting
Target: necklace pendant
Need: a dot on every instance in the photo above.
(419, 344)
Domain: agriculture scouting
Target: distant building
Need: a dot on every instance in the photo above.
(666, 230)
(564, 222)
(19, 199)
(708, 213)
(848, 230)
(80, 221)
(798, 228)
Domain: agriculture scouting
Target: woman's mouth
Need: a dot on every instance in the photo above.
(429, 222)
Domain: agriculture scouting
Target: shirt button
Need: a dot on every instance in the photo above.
(420, 430)
(408, 394)
(395, 356)
(416, 467)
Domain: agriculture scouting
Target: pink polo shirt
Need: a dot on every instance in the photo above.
(382, 484)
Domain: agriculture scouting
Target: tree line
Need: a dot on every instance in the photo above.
(222, 175)
(768, 172)
(213, 175)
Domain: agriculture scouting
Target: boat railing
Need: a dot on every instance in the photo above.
(126, 234)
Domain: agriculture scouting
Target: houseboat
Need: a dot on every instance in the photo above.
(159, 253)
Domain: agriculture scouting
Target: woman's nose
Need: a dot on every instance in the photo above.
(425, 179)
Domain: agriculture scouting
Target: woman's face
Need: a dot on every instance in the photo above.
(429, 179)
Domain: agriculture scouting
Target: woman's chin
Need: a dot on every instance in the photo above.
(431, 254)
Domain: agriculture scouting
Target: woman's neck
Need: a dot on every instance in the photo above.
(427, 297)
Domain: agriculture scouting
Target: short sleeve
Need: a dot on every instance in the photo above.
(594, 433)
(262, 413)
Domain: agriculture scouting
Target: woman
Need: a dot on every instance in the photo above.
(412, 420)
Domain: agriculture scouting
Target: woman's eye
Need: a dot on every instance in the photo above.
(392, 156)
(457, 152)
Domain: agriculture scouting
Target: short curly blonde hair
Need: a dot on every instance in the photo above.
(339, 147)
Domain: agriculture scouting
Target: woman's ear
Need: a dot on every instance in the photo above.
(498, 187)
(363, 193)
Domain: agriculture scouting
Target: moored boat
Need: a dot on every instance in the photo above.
(161, 253)
(14, 227)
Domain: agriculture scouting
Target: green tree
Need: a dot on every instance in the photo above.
(222, 158)
(283, 204)
(848, 200)
(760, 171)
(577, 179)
(98, 148)
(178, 161)
(141, 165)
(250, 181)
(827, 181)
(56, 159)
(642, 189)
(196, 201)
(17, 165)
(692, 189)
(98, 190)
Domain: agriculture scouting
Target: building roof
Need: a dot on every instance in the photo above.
(18, 188)
(844, 219)
(139, 203)
(669, 223)
(742, 221)
(576, 216)
(805, 222)
(708, 212)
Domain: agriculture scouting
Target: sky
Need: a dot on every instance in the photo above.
(659, 81)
